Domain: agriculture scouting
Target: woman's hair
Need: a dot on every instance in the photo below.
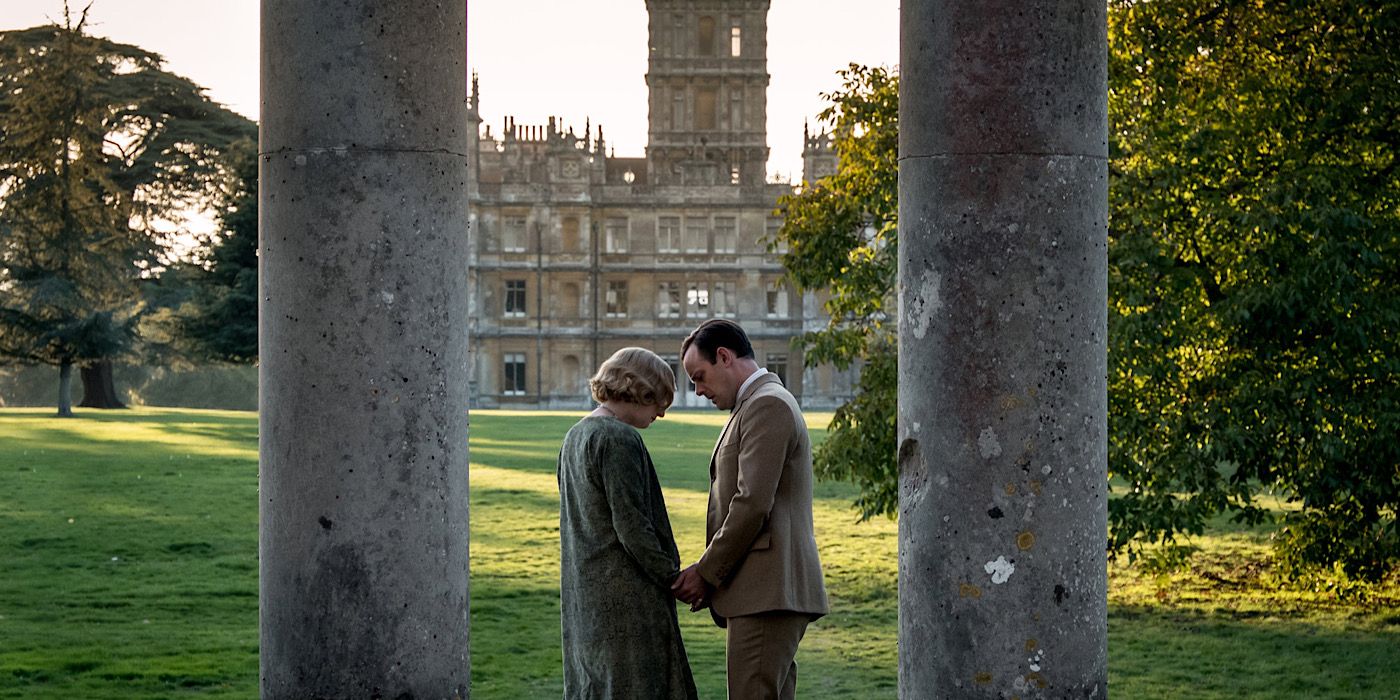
(634, 375)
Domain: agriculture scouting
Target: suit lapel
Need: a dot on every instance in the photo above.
(720, 441)
(738, 404)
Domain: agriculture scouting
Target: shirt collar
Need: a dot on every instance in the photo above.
(749, 382)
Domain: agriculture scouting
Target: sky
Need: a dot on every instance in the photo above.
(572, 59)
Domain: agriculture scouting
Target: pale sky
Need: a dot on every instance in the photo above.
(536, 58)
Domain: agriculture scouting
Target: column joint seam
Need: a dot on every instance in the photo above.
(947, 154)
(366, 149)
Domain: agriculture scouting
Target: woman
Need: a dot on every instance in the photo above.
(617, 554)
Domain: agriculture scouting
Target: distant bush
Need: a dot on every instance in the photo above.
(29, 386)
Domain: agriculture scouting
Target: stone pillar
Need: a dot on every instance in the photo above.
(1002, 393)
(363, 354)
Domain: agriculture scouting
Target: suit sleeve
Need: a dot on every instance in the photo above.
(625, 482)
(765, 438)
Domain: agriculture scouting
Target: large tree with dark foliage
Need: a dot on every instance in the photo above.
(1254, 291)
(219, 318)
(97, 144)
(69, 271)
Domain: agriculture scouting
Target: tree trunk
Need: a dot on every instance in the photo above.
(65, 390)
(99, 390)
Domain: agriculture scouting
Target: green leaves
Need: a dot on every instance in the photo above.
(69, 257)
(1253, 292)
(219, 320)
(96, 143)
(841, 236)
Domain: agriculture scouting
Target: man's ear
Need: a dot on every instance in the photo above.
(723, 356)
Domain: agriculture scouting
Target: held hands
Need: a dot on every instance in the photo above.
(691, 588)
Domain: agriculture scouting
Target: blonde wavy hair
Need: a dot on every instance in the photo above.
(634, 375)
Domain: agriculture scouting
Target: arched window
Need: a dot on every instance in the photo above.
(571, 381)
(705, 37)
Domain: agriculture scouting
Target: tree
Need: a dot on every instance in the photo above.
(98, 144)
(840, 235)
(218, 319)
(67, 277)
(1254, 295)
(1254, 291)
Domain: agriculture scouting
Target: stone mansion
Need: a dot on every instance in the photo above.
(577, 252)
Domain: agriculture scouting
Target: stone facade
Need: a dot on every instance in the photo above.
(577, 252)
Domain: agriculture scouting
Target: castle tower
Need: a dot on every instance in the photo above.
(818, 155)
(707, 79)
(474, 138)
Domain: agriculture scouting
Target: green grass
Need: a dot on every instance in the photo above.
(129, 545)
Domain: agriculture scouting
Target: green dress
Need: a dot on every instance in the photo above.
(617, 561)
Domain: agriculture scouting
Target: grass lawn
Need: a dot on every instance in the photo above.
(129, 544)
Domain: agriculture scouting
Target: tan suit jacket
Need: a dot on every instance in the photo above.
(760, 552)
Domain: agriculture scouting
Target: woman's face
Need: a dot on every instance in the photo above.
(640, 415)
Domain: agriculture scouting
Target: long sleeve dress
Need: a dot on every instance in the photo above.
(617, 561)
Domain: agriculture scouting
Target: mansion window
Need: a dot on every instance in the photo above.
(570, 231)
(697, 233)
(777, 303)
(515, 298)
(709, 300)
(736, 44)
(725, 234)
(777, 364)
(736, 111)
(513, 234)
(668, 234)
(616, 299)
(513, 374)
(674, 361)
(697, 300)
(615, 235)
(668, 300)
(722, 300)
(771, 235)
(706, 36)
(705, 109)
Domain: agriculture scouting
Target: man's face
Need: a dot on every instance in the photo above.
(713, 380)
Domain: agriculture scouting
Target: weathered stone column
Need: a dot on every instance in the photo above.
(363, 408)
(1002, 394)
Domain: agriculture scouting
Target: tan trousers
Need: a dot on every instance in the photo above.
(761, 655)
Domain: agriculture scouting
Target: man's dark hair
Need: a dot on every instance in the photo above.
(718, 333)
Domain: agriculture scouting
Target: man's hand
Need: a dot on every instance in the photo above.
(690, 587)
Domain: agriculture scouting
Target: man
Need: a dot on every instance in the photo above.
(760, 574)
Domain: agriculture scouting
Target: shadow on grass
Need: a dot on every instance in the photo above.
(141, 414)
(154, 432)
(514, 498)
(226, 432)
(515, 638)
(1185, 653)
